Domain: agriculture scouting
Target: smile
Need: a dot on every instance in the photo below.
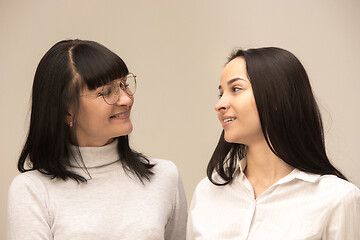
(228, 120)
(120, 115)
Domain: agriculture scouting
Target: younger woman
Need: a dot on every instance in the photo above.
(269, 176)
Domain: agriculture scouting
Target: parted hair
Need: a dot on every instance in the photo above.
(63, 71)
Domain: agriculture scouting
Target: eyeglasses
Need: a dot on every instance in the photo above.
(111, 91)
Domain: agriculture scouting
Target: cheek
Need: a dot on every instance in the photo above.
(92, 116)
(254, 116)
(253, 112)
(248, 114)
(245, 106)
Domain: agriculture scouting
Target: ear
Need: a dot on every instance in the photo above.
(69, 116)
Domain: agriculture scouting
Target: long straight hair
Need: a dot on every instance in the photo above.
(289, 116)
(63, 71)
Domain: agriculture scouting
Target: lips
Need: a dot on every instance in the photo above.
(226, 120)
(120, 115)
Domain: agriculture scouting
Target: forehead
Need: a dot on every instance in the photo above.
(235, 68)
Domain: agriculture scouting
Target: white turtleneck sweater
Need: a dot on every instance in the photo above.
(113, 204)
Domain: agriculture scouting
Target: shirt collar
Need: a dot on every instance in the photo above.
(308, 177)
(296, 173)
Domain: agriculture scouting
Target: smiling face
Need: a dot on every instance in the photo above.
(97, 122)
(236, 107)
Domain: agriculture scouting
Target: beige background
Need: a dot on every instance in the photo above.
(178, 49)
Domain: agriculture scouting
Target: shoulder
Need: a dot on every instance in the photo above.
(329, 186)
(335, 184)
(209, 196)
(204, 184)
(343, 208)
(163, 166)
(165, 171)
(27, 186)
(28, 179)
(205, 188)
(338, 189)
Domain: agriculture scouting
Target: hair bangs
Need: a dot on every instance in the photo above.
(97, 65)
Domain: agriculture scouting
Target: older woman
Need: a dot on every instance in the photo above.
(80, 179)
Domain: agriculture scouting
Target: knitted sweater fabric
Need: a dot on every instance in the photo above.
(112, 204)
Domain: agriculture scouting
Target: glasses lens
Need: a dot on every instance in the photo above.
(130, 84)
(110, 93)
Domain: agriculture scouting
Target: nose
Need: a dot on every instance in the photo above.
(124, 99)
(222, 104)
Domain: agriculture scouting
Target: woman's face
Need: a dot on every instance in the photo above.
(236, 107)
(97, 122)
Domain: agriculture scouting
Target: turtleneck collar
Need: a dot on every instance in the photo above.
(95, 157)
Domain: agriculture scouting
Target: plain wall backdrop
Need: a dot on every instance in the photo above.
(178, 49)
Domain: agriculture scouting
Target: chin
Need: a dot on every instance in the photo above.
(124, 131)
(128, 130)
(228, 138)
(232, 139)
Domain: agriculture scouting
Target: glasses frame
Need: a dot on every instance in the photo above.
(120, 84)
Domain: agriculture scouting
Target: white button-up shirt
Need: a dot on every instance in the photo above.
(300, 206)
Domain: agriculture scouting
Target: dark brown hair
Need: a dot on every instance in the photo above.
(67, 67)
(289, 116)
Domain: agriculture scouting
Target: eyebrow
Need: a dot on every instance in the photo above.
(234, 80)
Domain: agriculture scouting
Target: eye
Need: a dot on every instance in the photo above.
(235, 89)
(123, 84)
(107, 91)
(220, 95)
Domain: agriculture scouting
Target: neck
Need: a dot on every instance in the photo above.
(95, 157)
(263, 166)
(94, 142)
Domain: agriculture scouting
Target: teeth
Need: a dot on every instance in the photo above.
(119, 115)
(228, 120)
